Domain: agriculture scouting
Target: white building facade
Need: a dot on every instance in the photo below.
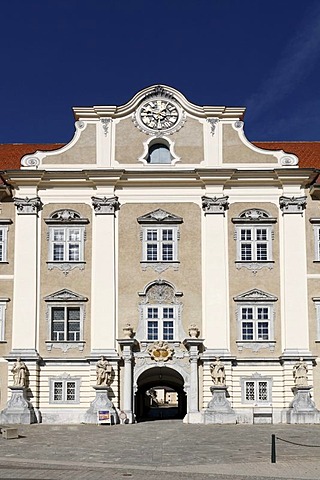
(161, 239)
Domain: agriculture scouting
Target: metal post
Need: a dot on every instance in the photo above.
(273, 449)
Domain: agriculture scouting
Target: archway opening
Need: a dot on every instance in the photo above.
(160, 395)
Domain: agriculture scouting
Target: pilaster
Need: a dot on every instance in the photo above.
(127, 391)
(295, 336)
(215, 265)
(103, 294)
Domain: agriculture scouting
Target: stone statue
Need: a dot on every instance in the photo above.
(103, 371)
(300, 373)
(19, 371)
(218, 373)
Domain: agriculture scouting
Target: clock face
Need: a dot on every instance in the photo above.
(159, 114)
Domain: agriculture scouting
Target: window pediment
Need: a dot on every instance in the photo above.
(159, 216)
(255, 295)
(65, 295)
(254, 215)
(65, 216)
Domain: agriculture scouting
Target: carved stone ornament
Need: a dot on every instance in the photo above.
(289, 160)
(160, 292)
(105, 206)
(193, 330)
(159, 267)
(27, 206)
(127, 331)
(254, 214)
(159, 216)
(254, 266)
(255, 295)
(65, 267)
(65, 295)
(105, 125)
(293, 204)
(64, 346)
(213, 123)
(160, 351)
(65, 215)
(30, 161)
(238, 124)
(215, 205)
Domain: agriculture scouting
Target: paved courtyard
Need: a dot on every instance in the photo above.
(160, 448)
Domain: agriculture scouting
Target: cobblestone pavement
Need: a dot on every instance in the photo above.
(167, 447)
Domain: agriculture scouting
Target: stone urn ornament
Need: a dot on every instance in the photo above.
(127, 331)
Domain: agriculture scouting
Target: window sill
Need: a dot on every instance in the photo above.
(65, 346)
(254, 266)
(256, 345)
(159, 266)
(66, 267)
(3, 341)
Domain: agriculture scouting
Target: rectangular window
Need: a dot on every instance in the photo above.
(254, 244)
(2, 322)
(65, 324)
(257, 391)
(64, 391)
(67, 244)
(160, 244)
(255, 322)
(162, 325)
(317, 242)
(3, 244)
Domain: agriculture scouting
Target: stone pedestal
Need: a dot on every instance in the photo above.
(18, 409)
(101, 402)
(302, 409)
(219, 409)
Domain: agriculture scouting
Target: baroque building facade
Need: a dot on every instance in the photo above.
(159, 238)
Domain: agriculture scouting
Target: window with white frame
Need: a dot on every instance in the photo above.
(316, 230)
(2, 319)
(160, 236)
(256, 390)
(3, 243)
(317, 308)
(66, 323)
(160, 322)
(66, 236)
(255, 316)
(64, 389)
(254, 234)
(65, 315)
(255, 322)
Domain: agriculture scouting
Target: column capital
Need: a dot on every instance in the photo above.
(105, 206)
(215, 204)
(27, 206)
(292, 204)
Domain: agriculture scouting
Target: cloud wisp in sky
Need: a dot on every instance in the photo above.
(293, 65)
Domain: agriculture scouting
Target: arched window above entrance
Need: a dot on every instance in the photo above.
(160, 313)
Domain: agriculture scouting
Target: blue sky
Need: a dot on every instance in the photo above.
(261, 54)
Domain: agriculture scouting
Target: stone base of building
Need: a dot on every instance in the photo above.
(18, 409)
(302, 409)
(101, 403)
(192, 417)
(219, 409)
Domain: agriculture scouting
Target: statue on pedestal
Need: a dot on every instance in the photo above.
(103, 371)
(19, 371)
(300, 373)
(217, 372)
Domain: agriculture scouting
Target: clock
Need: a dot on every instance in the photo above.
(159, 114)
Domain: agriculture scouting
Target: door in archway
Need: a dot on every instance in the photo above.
(160, 395)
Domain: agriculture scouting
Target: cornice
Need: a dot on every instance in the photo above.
(98, 111)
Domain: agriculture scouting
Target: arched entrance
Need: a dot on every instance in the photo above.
(160, 395)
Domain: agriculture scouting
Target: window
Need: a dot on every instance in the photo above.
(3, 244)
(160, 244)
(255, 319)
(255, 322)
(65, 324)
(256, 389)
(316, 229)
(160, 323)
(66, 235)
(65, 314)
(2, 318)
(254, 235)
(160, 313)
(159, 153)
(160, 235)
(64, 389)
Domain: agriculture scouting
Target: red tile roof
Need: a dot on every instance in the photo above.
(11, 153)
(308, 152)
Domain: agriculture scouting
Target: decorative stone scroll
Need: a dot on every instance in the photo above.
(215, 204)
(213, 123)
(293, 204)
(105, 206)
(27, 206)
(105, 125)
